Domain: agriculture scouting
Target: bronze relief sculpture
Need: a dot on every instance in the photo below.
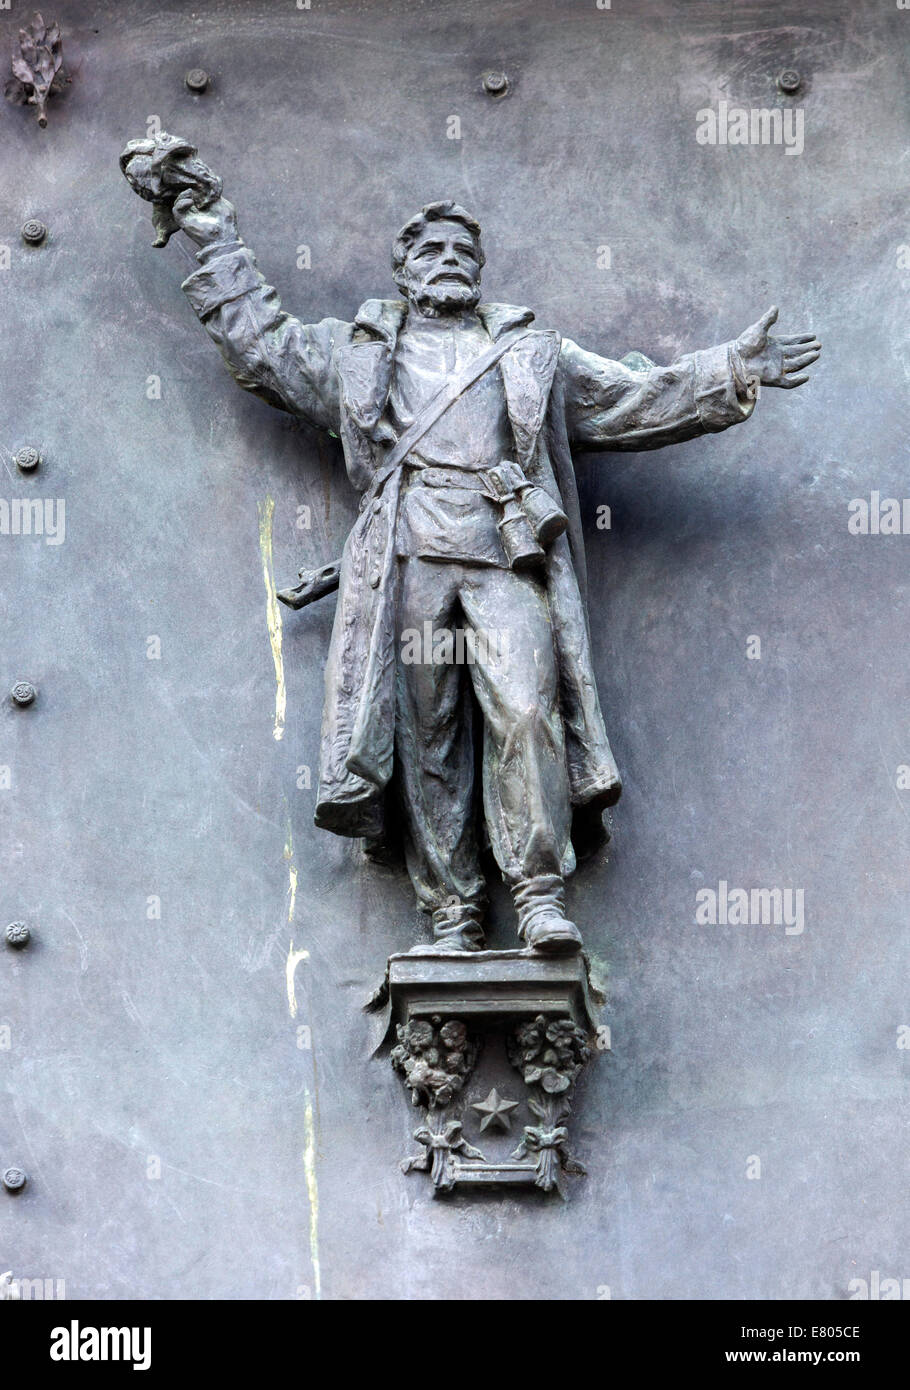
(459, 674)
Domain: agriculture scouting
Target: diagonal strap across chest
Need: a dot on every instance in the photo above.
(454, 388)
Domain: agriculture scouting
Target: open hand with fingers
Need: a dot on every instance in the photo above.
(776, 361)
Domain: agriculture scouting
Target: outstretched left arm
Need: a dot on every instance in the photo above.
(610, 406)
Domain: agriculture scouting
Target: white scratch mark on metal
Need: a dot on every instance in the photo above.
(294, 958)
(273, 612)
(309, 1166)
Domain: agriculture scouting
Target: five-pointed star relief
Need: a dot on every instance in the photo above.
(495, 1110)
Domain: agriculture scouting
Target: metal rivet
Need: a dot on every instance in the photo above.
(18, 934)
(496, 84)
(197, 79)
(23, 693)
(789, 80)
(27, 459)
(33, 231)
(14, 1179)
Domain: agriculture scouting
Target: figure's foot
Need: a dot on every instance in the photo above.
(444, 947)
(456, 927)
(552, 934)
(542, 920)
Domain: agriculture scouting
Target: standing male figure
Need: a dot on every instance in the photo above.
(469, 519)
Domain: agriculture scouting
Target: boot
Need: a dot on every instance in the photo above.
(456, 927)
(542, 921)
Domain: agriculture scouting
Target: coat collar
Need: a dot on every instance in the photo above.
(502, 318)
(385, 317)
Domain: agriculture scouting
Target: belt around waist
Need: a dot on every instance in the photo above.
(431, 476)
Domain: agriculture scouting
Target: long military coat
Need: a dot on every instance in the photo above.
(560, 398)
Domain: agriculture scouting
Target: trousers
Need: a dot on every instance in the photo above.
(477, 640)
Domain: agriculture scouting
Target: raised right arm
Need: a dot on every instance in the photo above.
(269, 352)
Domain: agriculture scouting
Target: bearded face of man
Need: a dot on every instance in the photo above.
(441, 271)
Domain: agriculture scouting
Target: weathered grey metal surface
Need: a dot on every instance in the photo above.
(134, 1039)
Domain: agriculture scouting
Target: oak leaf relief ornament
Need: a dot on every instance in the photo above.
(38, 70)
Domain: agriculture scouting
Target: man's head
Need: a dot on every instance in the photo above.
(437, 258)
